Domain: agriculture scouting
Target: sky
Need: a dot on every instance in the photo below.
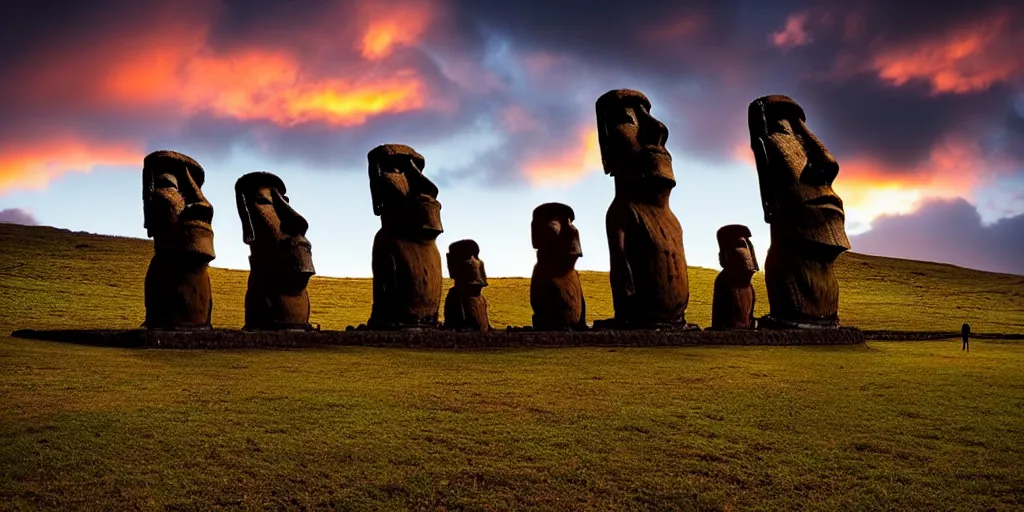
(922, 106)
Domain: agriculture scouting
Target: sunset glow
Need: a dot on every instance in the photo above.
(970, 59)
(33, 167)
(583, 155)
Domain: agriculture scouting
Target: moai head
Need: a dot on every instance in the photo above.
(403, 197)
(273, 230)
(735, 250)
(553, 234)
(465, 266)
(632, 141)
(177, 215)
(795, 171)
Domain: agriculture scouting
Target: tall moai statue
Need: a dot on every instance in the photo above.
(556, 293)
(649, 283)
(407, 280)
(179, 220)
(732, 306)
(795, 172)
(280, 256)
(465, 308)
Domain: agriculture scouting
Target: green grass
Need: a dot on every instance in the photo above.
(883, 426)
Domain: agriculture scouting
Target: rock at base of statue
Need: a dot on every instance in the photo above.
(770, 322)
(613, 324)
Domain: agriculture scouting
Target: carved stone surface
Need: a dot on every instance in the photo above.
(280, 256)
(465, 307)
(556, 293)
(407, 279)
(178, 218)
(732, 306)
(795, 172)
(648, 264)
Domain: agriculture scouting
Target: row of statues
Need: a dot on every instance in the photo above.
(648, 274)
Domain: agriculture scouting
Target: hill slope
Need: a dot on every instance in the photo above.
(51, 278)
(909, 426)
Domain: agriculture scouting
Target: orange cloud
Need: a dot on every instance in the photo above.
(174, 68)
(258, 85)
(969, 59)
(582, 155)
(794, 33)
(32, 166)
(389, 25)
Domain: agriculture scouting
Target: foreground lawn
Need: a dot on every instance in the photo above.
(888, 426)
(918, 426)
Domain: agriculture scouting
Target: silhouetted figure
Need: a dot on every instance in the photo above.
(556, 293)
(178, 218)
(465, 308)
(732, 305)
(280, 256)
(650, 286)
(965, 331)
(407, 279)
(795, 172)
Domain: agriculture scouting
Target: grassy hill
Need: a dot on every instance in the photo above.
(921, 426)
(78, 279)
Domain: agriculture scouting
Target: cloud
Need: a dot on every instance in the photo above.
(17, 216)
(795, 32)
(948, 232)
(915, 102)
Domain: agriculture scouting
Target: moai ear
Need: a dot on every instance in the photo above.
(148, 188)
(375, 175)
(536, 233)
(769, 203)
(721, 259)
(243, 214)
(451, 265)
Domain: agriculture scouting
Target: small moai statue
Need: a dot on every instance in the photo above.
(732, 306)
(465, 308)
(179, 220)
(795, 173)
(556, 293)
(280, 256)
(407, 278)
(650, 286)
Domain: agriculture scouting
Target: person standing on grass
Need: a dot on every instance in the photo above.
(965, 331)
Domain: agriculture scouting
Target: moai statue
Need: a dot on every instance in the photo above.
(732, 306)
(407, 280)
(280, 256)
(795, 172)
(556, 294)
(178, 219)
(465, 308)
(650, 287)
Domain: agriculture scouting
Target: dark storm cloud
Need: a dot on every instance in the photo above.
(700, 61)
(17, 216)
(948, 232)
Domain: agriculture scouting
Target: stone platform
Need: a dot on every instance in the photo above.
(430, 338)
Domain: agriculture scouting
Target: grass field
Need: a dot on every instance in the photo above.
(883, 426)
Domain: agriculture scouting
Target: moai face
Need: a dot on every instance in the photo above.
(736, 251)
(632, 141)
(177, 215)
(273, 230)
(404, 198)
(554, 235)
(795, 171)
(465, 266)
